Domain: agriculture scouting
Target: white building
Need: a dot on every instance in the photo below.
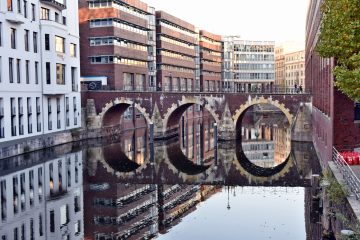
(39, 67)
(247, 65)
(44, 200)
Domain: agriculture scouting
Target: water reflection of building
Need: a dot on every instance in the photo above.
(120, 211)
(134, 144)
(44, 200)
(135, 211)
(197, 134)
(265, 136)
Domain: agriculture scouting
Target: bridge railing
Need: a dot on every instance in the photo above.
(169, 89)
(348, 174)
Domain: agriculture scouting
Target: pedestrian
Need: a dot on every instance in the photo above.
(300, 89)
(295, 87)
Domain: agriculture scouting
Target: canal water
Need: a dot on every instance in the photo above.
(189, 186)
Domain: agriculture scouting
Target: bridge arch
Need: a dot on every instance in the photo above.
(112, 111)
(175, 112)
(239, 113)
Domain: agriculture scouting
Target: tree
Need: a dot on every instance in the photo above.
(340, 38)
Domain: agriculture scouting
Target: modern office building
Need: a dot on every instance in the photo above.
(247, 65)
(118, 44)
(210, 61)
(39, 68)
(335, 117)
(42, 200)
(176, 54)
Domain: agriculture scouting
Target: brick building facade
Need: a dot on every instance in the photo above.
(334, 120)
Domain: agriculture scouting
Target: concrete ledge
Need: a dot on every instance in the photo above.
(354, 203)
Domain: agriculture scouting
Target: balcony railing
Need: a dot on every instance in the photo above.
(348, 174)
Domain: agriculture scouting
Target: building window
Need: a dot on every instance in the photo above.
(10, 5)
(47, 42)
(13, 38)
(72, 50)
(0, 69)
(0, 34)
(56, 17)
(74, 85)
(25, 8)
(26, 40)
(11, 70)
(33, 12)
(48, 73)
(18, 70)
(59, 44)
(60, 74)
(36, 72)
(19, 6)
(45, 14)
(35, 44)
(52, 221)
(64, 215)
(357, 111)
(27, 71)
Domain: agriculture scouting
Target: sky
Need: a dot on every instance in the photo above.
(266, 20)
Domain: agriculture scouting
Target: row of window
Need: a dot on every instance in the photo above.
(296, 66)
(14, 42)
(253, 66)
(259, 76)
(101, 41)
(254, 57)
(118, 5)
(175, 55)
(19, 117)
(175, 42)
(208, 51)
(18, 74)
(177, 28)
(59, 42)
(21, 70)
(208, 73)
(117, 60)
(253, 48)
(211, 41)
(210, 62)
(113, 22)
(22, 8)
(45, 15)
(175, 68)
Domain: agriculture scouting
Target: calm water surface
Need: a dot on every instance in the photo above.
(187, 187)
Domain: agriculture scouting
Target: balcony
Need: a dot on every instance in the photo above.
(58, 4)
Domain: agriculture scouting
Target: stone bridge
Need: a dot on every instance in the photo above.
(163, 110)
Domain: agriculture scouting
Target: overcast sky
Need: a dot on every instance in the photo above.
(275, 20)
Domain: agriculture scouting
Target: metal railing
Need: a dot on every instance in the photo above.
(171, 89)
(348, 174)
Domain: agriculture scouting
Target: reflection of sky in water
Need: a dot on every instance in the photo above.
(255, 213)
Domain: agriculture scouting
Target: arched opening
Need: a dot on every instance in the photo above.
(124, 116)
(263, 135)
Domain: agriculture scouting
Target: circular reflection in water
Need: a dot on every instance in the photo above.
(129, 153)
(265, 136)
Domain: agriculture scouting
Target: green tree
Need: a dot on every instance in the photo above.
(340, 38)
